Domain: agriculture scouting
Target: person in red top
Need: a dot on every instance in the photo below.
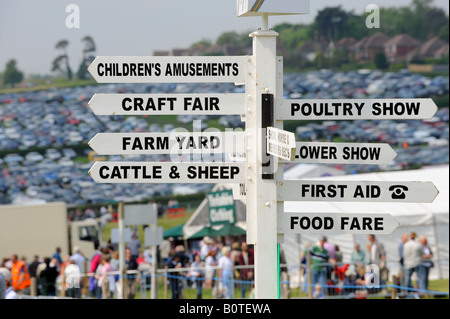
(20, 278)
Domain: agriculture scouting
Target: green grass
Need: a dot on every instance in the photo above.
(56, 83)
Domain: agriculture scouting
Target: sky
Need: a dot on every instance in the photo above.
(29, 29)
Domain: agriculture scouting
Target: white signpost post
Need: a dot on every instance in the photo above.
(261, 149)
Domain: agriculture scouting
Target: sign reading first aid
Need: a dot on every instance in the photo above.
(249, 8)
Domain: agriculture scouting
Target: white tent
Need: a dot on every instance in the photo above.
(429, 219)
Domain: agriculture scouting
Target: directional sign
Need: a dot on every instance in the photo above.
(249, 8)
(343, 153)
(356, 191)
(153, 236)
(115, 236)
(336, 223)
(163, 69)
(164, 172)
(281, 143)
(356, 109)
(168, 104)
(145, 214)
(167, 143)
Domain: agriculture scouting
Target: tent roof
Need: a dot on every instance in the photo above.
(176, 231)
(220, 230)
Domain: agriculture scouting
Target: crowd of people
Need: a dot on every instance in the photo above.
(367, 270)
(222, 268)
(213, 265)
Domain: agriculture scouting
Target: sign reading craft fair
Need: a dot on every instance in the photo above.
(168, 104)
(221, 207)
(165, 69)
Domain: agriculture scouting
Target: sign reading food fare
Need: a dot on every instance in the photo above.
(336, 223)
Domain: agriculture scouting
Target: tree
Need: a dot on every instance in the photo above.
(63, 58)
(381, 61)
(88, 57)
(12, 75)
(331, 23)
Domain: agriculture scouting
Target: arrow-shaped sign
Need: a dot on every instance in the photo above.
(167, 143)
(343, 153)
(163, 69)
(281, 143)
(164, 172)
(336, 223)
(356, 191)
(356, 109)
(168, 104)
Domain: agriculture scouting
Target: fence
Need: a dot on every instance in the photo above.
(340, 281)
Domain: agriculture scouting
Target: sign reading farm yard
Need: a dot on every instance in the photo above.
(221, 207)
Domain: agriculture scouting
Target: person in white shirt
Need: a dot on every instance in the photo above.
(412, 258)
(9, 293)
(226, 272)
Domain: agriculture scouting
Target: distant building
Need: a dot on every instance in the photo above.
(430, 48)
(368, 47)
(400, 48)
(310, 48)
(443, 51)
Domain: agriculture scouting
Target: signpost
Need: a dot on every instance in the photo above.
(336, 223)
(343, 153)
(168, 104)
(356, 191)
(257, 176)
(167, 143)
(356, 109)
(281, 143)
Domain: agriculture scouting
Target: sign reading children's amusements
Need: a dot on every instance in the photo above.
(255, 158)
